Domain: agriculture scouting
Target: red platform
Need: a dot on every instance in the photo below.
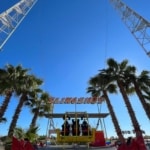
(99, 139)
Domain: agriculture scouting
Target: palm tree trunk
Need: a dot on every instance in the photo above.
(5, 103)
(16, 115)
(135, 123)
(114, 118)
(142, 100)
(33, 122)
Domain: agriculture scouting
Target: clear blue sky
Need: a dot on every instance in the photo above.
(65, 42)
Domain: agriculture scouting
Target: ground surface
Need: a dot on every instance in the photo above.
(77, 147)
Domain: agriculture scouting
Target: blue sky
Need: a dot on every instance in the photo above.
(65, 42)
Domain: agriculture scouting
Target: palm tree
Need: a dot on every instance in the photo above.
(29, 84)
(3, 88)
(30, 134)
(141, 85)
(99, 86)
(39, 106)
(9, 81)
(116, 71)
(147, 97)
(3, 77)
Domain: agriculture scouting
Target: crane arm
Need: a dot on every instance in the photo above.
(11, 18)
(138, 26)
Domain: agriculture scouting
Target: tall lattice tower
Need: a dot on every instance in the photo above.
(11, 18)
(138, 26)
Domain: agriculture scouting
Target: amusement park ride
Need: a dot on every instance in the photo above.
(76, 132)
(76, 127)
(79, 130)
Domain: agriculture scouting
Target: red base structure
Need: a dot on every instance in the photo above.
(136, 144)
(99, 139)
(21, 145)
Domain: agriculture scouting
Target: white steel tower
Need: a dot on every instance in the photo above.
(11, 18)
(138, 26)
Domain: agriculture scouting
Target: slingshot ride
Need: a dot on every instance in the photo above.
(76, 127)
